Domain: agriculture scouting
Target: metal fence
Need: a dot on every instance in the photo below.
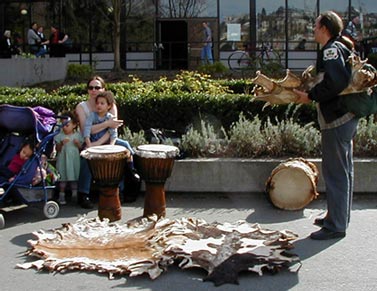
(163, 56)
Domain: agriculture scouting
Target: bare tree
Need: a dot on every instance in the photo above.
(182, 8)
(117, 10)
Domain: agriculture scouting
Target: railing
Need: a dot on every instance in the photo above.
(176, 55)
(369, 46)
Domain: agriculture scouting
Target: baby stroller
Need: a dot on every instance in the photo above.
(17, 124)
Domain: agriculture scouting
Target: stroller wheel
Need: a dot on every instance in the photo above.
(2, 221)
(51, 209)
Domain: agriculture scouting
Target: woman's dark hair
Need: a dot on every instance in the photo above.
(99, 79)
(332, 22)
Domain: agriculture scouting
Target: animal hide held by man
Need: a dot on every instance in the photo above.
(280, 91)
(150, 245)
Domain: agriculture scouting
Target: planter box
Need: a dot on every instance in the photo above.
(19, 72)
(249, 175)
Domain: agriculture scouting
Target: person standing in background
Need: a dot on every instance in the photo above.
(34, 41)
(352, 33)
(7, 48)
(56, 42)
(206, 53)
(42, 37)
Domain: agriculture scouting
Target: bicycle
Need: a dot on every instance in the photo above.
(261, 59)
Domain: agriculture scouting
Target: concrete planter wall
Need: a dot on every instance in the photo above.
(249, 175)
(18, 71)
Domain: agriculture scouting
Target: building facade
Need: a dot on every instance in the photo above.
(168, 34)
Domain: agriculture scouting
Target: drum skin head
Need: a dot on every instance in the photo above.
(159, 151)
(292, 184)
(105, 151)
(289, 188)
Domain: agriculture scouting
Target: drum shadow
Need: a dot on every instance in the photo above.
(264, 211)
(274, 215)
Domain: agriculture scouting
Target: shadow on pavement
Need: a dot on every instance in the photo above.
(306, 247)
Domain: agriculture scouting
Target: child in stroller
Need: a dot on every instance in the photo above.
(17, 125)
(8, 174)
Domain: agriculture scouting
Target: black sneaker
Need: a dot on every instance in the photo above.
(325, 234)
(135, 176)
(85, 202)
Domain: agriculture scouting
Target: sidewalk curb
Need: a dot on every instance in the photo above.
(250, 175)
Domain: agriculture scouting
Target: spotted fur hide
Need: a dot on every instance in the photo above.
(150, 245)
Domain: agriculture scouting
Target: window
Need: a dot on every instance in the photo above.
(234, 24)
(271, 23)
(301, 17)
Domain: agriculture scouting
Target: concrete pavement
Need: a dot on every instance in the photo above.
(346, 264)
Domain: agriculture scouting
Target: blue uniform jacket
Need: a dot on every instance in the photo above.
(332, 61)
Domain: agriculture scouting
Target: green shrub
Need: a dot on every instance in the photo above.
(79, 72)
(28, 56)
(204, 142)
(213, 69)
(238, 86)
(365, 142)
(134, 138)
(246, 138)
(252, 139)
(212, 110)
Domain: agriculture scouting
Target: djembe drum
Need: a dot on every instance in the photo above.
(155, 164)
(293, 184)
(107, 163)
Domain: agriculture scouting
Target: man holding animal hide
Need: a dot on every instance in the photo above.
(338, 127)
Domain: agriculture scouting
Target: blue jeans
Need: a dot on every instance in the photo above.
(85, 177)
(337, 170)
(206, 54)
(41, 52)
(125, 144)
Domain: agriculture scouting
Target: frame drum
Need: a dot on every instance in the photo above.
(106, 164)
(155, 163)
(293, 184)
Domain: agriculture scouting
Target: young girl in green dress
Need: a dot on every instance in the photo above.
(68, 143)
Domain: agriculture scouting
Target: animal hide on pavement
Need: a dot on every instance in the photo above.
(150, 245)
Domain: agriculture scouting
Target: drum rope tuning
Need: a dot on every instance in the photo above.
(155, 163)
(107, 164)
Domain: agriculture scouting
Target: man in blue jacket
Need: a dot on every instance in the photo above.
(338, 127)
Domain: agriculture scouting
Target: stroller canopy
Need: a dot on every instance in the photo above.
(37, 121)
